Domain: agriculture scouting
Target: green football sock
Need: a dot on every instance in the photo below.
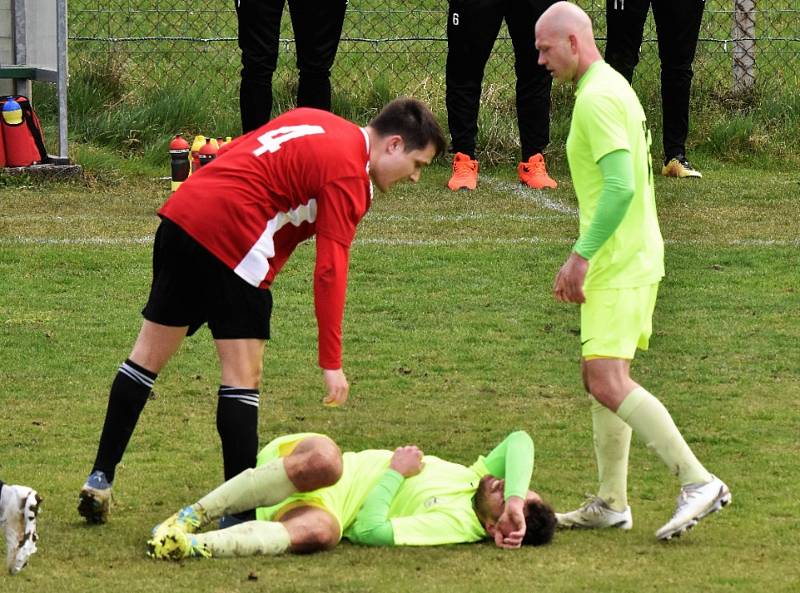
(267, 538)
(612, 440)
(651, 421)
(262, 486)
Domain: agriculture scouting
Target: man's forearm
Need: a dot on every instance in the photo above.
(616, 196)
(372, 526)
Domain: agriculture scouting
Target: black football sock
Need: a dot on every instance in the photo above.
(129, 393)
(237, 424)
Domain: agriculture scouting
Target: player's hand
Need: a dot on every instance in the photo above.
(568, 285)
(407, 461)
(510, 527)
(338, 387)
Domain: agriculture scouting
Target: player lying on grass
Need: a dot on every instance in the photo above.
(309, 495)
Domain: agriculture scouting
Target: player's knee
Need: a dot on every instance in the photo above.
(318, 464)
(324, 537)
(317, 537)
(600, 389)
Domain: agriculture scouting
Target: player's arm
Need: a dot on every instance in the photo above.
(330, 289)
(372, 526)
(513, 460)
(340, 207)
(615, 198)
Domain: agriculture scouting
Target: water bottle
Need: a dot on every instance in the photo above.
(179, 157)
(207, 153)
(198, 143)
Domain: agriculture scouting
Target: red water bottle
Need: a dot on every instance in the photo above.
(179, 157)
(207, 153)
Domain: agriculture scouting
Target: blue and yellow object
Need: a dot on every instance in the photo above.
(12, 112)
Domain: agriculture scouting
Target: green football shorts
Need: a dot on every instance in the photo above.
(360, 472)
(617, 321)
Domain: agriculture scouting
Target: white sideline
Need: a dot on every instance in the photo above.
(537, 196)
(147, 239)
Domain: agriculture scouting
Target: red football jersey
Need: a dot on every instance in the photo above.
(305, 172)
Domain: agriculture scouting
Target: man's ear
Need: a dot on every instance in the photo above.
(490, 527)
(573, 43)
(395, 143)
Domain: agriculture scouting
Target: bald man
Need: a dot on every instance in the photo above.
(613, 272)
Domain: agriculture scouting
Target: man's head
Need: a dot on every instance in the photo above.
(404, 137)
(489, 503)
(565, 41)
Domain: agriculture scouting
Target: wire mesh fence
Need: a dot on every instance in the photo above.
(391, 48)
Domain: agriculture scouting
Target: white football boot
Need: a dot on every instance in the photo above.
(595, 514)
(695, 502)
(19, 506)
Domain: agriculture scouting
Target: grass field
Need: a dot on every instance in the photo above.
(452, 340)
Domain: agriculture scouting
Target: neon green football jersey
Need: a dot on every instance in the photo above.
(608, 117)
(435, 506)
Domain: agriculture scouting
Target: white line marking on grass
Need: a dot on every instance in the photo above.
(78, 241)
(399, 241)
(371, 216)
(458, 217)
(536, 196)
(456, 242)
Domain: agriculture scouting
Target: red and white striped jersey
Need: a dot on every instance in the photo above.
(305, 172)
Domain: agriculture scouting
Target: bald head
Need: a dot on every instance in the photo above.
(565, 41)
(565, 18)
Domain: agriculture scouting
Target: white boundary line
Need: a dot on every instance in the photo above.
(389, 242)
(371, 216)
(537, 196)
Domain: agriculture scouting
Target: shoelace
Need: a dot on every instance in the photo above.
(460, 167)
(594, 504)
(189, 517)
(687, 492)
(535, 167)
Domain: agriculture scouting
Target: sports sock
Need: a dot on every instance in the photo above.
(651, 421)
(262, 486)
(237, 425)
(247, 539)
(612, 440)
(129, 393)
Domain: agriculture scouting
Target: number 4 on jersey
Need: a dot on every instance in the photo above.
(271, 141)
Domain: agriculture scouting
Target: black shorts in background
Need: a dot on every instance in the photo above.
(192, 287)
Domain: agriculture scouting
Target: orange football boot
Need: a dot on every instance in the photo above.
(534, 174)
(465, 173)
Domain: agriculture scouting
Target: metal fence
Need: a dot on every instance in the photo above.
(389, 48)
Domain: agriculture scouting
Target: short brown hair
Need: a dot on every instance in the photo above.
(413, 121)
(540, 524)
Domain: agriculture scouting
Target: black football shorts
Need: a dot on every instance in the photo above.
(192, 287)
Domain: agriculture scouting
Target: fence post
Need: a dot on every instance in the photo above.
(744, 45)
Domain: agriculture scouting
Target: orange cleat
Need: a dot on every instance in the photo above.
(465, 173)
(534, 174)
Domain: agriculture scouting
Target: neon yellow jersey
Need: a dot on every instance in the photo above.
(608, 117)
(435, 506)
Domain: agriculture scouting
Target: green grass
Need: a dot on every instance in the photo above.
(140, 72)
(451, 340)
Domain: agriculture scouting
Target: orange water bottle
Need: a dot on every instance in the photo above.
(198, 143)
